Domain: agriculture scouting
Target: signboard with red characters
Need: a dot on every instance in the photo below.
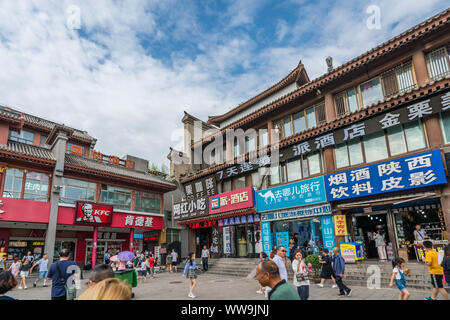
(92, 213)
(232, 200)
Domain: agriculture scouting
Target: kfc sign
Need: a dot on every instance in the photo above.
(92, 213)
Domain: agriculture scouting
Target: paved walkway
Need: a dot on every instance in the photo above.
(212, 287)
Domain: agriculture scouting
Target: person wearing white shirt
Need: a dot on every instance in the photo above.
(281, 262)
(301, 280)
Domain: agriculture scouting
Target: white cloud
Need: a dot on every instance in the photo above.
(132, 100)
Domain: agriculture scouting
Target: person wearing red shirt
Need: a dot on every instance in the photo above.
(151, 262)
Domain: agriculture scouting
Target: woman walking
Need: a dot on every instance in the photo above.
(24, 272)
(301, 280)
(327, 269)
(15, 268)
(381, 245)
(190, 272)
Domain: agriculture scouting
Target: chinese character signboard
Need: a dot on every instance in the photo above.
(340, 225)
(291, 195)
(243, 168)
(226, 240)
(297, 213)
(232, 200)
(406, 113)
(188, 209)
(133, 221)
(215, 241)
(201, 188)
(421, 170)
(327, 232)
(266, 237)
(92, 213)
(282, 239)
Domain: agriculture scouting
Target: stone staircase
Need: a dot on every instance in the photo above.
(358, 274)
(233, 267)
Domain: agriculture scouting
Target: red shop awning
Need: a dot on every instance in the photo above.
(231, 214)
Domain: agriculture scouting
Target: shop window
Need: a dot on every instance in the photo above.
(13, 183)
(256, 179)
(341, 155)
(375, 146)
(445, 125)
(397, 80)
(294, 170)
(371, 92)
(24, 136)
(311, 117)
(275, 175)
(36, 186)
(239, 182)
(250, 143)
(237, 148)
(263, 137)
(346, 102)
(147, 202)
(349, 153)
(438, 62)
(120, 198)
(314, 161)
(415, 136)
(287, 127)
(299, 122)
(226, 185)
(77, 190)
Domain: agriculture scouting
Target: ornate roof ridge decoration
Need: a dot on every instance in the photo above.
(33, 121)
(27, 152)
(371, 110)
(298, 75)
(381, 50)
(84, 164)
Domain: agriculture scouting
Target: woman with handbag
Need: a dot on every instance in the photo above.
(301, 278)
(190, 272)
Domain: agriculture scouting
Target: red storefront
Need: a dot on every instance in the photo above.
(26, 231)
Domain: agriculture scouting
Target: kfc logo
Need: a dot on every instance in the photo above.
(92, 213)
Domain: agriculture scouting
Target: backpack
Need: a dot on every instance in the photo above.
(71, 291)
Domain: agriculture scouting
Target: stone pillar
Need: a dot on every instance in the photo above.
(94, 246)
(59, 151)
(131, 240)
(420, 67)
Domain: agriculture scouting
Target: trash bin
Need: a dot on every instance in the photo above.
(129, 276)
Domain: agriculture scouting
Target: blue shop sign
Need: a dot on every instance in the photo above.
(266, 237)
(295, 194)
(302, 212)
(416, 171)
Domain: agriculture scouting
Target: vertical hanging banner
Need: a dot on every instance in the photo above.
(327, 232)
(266, 237)
(282, 239)
(226, 240)
(340, 225)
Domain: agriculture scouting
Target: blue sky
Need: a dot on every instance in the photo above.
(134, 66)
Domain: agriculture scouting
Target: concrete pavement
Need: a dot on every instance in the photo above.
(171, 286)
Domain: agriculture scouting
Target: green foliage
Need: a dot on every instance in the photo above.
(314, 260)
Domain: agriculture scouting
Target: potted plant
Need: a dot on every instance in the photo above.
(316, 266)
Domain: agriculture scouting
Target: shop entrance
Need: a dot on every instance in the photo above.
(202, 238)
(366, 225)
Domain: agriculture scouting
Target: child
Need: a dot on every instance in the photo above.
(436, 271)
(43, 270)
(398, 275)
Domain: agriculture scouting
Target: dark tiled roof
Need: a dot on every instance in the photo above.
(85, 163)
(28, 150)
(33, 120)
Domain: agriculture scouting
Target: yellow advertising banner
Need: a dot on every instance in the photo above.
(340, 225)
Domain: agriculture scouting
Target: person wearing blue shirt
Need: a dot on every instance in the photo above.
(339, 270)
(43, 270)
(59, 273)
(190, 272)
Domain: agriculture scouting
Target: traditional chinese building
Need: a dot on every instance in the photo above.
(58, 192)
(362, 148)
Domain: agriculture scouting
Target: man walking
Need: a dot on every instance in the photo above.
(436, 271)
(205, 256)
(43, 270)
(280, 259)
(60, 272)
(174, 259)
(339, 269)
(267, 273)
